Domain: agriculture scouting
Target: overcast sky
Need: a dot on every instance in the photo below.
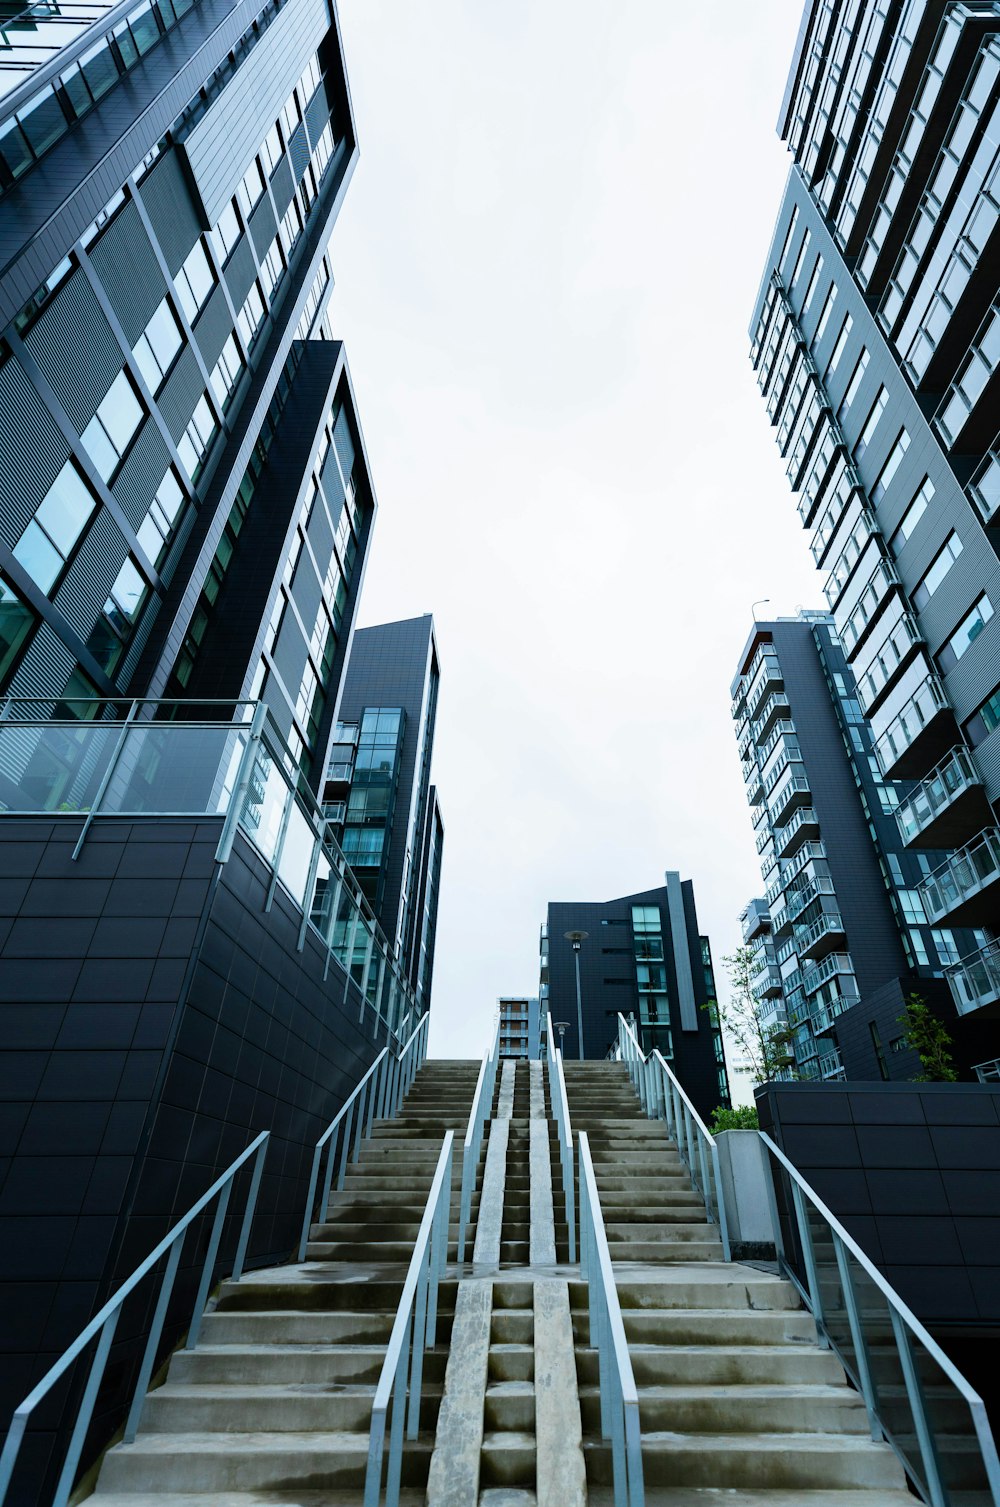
(546, 265)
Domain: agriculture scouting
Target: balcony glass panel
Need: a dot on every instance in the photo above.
(928, 700)
(933, 795)
(963, 875)
(975, 981)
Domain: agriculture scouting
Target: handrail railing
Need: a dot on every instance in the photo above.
(663, 1098)
(883, 1347)
(414, 1331)
(619, 1395)
(482, 1105)
(379, 1095)
(104, 1323)
(560, 1110)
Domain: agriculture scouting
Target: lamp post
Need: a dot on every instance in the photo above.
(761, 602)
(562, 1026)
(577, 938)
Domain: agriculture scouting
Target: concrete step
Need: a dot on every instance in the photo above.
(286, 1365)
(710, 1496)
(655, 1251)
(719, 1286)
(510, 1406)
(662, 1228)
(718, 1327)
(735, 1409)
(511, 1361)
(227, 1327)
(283, 1408)
(786, 1460)
(507, 1458)
(208, 1462)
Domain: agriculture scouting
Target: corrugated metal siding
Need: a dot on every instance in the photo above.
(127, 667)
(987, 757)
(92, 574)
(169, 205)
(317, 115)
(298, 151)
(126, 264)
(142, 473)
(290, 654)
(181, 392)
(77, 350)
(333, 484)
(320, 535)
(282, 186)
(344, 442)
(222, 144)
(214, 326)
(307, 591)
(32, 451)
(45, 668)
(263, 227)
(240, 272)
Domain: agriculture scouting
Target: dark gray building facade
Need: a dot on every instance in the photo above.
(643, 956)
(378, 792)
(841, 931)
(875, 340)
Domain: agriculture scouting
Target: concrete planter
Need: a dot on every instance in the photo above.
(744, 1191)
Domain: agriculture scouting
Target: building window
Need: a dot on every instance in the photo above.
(251, 316)
(194, 282)
(871, 423)
(913, 514)
(251, 188)
(940, 566)
(48, 542)
(968, 629)
(984, 720)
(944, 942)
(227, 232)
(113, 629)
(891, 466)
(857, 377)
(272, 150)
(226, 373)
(194, 443)
(800, 260)
(112, 429)
(813, 280)
(17, 623)
(272, 268)
(157, 347)
(838, 349)
(912, 907)
(156, 529)
(824, 317)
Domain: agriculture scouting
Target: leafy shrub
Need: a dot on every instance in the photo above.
(744, 1118)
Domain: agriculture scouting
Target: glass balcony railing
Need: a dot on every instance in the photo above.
(794, 830)
(963, 878)
(775, 705)
(818, 973)
(769, 679)
(954, 775)
(793, 866)
(822, 884)
(926, 704)
(786, 725)
(171, 758)
(886, 663)
(767, 983)
(975, 981)
(815, 938)
(797, 789)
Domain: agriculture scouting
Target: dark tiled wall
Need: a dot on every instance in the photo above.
(913, 1172)
(155, 1017)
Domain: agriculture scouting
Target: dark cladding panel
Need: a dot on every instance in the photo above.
(240, 272)
(76, 349)
(88, 581)
(32, 451)
(126, 264)
(263, 227)
(282, 186)
(168, 203)
(215, 325)
(181, 392)
(138, 479)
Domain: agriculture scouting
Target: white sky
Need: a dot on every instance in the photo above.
(546, 265)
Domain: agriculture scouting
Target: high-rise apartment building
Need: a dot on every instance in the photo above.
(641, 956)
(876, 343)
(186, 958)
(841, 936)
(520, 1028)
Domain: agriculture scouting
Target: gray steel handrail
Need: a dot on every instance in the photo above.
(414, 1330)
(104, 1323)
(663, 1097)
(619, 1395)
(904, 1324)
(482, 1105)
(379, 1095)
(560, 1109)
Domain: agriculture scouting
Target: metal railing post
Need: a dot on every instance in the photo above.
(918, 1407)
(809, 1259)
(208, 1268)
(232, 819)
(116, 753)
(857, 1336)
(68, 1473)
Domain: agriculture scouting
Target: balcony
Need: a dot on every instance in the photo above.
(966, 887)
(853, 627)
(780, 921)
(824, 1017)
(793, 866)
(794, 794)
(756, 920)
(948, 807)
(799, 899)
(767, 984)
(775, 706)
(919, 735)
(835, 963)
(770, 679)
(803, 825)
(890, 659)
(975, 981)
(786, 725)
(821, 937)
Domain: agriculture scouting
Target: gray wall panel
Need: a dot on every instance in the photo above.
(214, 326)
(167, 198)
(263, 227)
(142, 473)
(45, 668)
(220, 147)
(317, 115)
(282, 186)
(240, 272)
(126, 264)
(89, 579)
(298, 151)
(182, 391)
(76, 349)
(32, 453)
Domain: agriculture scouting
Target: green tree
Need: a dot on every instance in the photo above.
(767, 1048)
(930, 1039)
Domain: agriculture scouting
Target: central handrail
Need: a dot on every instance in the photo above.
(414, 1330)
(664, 1098)
(619, 1395)
(379, 1095)
(856, 1358)
(482, 1105)
(560, 1109)
(103, 1324)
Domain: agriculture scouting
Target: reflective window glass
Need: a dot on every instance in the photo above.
(47, 543)
(17, 621)
(194, 281)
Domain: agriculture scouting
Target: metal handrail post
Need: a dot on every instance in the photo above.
(809, 1259)
(918, 1407)
(345, 1136)
(149, 1354)
(105, 781)
(68, 1473)
(208, 1269)
(857, 1336)
(232, 819)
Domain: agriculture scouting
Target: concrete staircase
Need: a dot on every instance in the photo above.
(737, 1401)
(274, 1405)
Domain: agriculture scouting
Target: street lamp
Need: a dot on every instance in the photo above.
(576, 938)
(760, 602)
(562, 1026)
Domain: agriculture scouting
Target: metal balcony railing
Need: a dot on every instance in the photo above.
(926, 703)
(953, 776)
(962, 876)
(818, 973)
(804, 817)
(975, 981)
(797, 785)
